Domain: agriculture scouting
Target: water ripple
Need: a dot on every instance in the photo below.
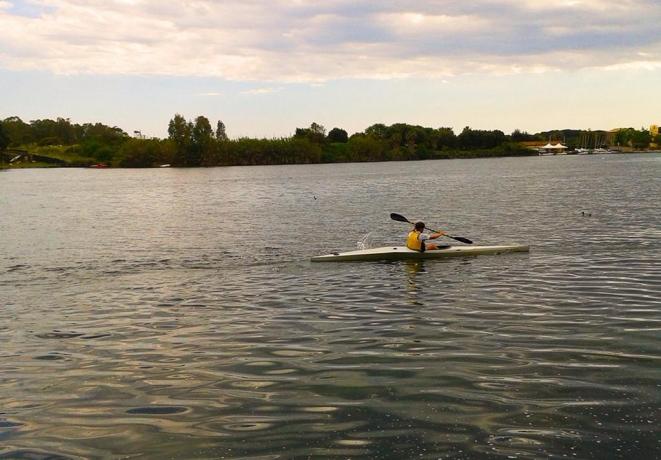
(140, 328)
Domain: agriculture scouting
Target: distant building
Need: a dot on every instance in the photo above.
(654, 130)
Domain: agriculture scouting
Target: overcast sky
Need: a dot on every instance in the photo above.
(267, 66)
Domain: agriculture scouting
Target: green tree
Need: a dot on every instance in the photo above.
(104, 134)
(641, 138)
(65, 131)
(335, 152)
(4, 138)
(316, 133)
(623, 137)
(221, 135)
(521, 136)
(99, 141)
(378, 131)
(446, 139)
(56, 132)
(366, 148)
(201, 141)
(179, 132)
(317, 129)
(472, 139)
(18, 131)
(338, 135)
(94, 148)
(145, 153)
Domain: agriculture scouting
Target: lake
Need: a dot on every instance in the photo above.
(174, 313)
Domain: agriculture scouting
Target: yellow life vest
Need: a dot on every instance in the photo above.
(413, 241)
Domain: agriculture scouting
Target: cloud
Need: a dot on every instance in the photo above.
(258, 91)
(635, 65)
(301, 40)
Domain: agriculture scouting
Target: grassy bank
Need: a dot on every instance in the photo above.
(51, 156)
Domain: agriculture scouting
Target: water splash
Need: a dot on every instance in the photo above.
(365, 242)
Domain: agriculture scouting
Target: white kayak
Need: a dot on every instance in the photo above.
(404, 253)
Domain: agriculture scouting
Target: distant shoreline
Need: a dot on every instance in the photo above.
(195, 143)
(450, 156)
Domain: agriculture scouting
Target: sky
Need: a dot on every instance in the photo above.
(265, 67)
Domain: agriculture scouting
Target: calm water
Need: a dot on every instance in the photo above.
(174, 314)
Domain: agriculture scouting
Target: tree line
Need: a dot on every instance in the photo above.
(92, 140)
(197, 143)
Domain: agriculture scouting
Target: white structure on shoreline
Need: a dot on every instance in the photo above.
(553, 149)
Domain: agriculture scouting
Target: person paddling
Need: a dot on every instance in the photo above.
(416, 239)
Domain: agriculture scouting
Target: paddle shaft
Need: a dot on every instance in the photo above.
(400, 218)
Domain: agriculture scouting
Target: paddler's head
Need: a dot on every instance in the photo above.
(419, 226)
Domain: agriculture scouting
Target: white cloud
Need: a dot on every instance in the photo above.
(298, 40)
(414, 23)
(258, 91)
(635, 65)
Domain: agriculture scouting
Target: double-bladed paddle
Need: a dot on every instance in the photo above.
(400, 218)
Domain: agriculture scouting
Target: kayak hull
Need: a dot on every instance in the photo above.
(404, 253)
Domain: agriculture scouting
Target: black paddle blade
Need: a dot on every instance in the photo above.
(398, 217)
(462, 239)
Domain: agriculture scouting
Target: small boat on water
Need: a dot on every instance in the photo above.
(99, 166)
(604, 151)
(404, 253)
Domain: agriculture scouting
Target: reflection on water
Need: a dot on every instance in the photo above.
(174, 313)
(413, 269)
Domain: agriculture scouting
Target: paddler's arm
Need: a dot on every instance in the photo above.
(435, 235)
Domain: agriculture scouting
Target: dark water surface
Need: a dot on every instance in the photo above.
(174, 314)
